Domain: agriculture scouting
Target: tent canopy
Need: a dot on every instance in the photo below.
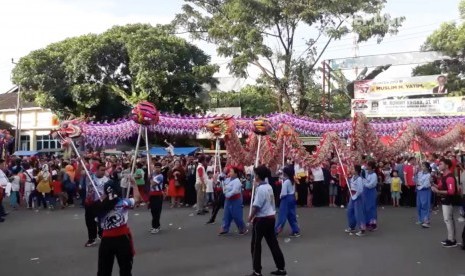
(25, 153)
(160, 151)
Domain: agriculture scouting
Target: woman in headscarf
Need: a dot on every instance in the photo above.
(44, 179)
(176, 180)
(69, 183)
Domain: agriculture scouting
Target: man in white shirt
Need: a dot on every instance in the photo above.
(318, 186)
(263, 218)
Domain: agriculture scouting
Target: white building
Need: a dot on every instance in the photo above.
(35, 123)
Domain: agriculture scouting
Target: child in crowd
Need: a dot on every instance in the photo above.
(15, 186)
(396, 188)
(58, 192)
(333, 186)
(209, 189)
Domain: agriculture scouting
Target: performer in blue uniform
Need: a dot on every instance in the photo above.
(233, 209)
(370, 195)
(355, 209)
(263, 219)
(287, 205)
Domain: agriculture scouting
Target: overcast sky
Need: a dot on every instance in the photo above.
(27, 25)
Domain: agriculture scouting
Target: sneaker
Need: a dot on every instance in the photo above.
(342, 206)
(461, 219)
(349, 230)
(418, 223)
(360, 233)
(210, 222)
(444, 242)
(425, 225)
(254, 274)
(244, 232)
(222, 233)
(294, 235)
(154, 230)
(449, 244)
(279, 272)
(372, 228)
(90, 243)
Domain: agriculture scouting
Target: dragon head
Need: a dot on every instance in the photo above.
(71, 129)
(220, 125)
(261, 126)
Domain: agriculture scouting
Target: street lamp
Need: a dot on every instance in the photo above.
(18, 116)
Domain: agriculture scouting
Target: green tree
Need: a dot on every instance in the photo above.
(246, 32)
(104, 75)
(254, 100)
(449, 39)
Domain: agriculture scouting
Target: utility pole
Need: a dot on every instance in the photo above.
(356, 48)
(18, 116)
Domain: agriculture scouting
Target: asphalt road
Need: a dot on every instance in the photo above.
(51, 243)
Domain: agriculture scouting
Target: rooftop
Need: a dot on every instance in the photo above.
(9, 99)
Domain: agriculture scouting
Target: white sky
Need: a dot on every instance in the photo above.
(26, 25)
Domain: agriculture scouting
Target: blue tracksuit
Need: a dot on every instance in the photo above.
(369, 197)
(233, 205)
(423, 181)
(355, 209)
(287, 208)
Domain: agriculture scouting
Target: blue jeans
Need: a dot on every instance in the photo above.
(424, 205)
(369, 200)
(233, 211)
(356, 214)
(287, 212)
(14, 199)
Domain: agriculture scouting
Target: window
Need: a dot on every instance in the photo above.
(25, 142)
(47, 142)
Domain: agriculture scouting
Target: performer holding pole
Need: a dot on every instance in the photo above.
(116, 239)
(257, 158)
(263, 219)
(134, 162)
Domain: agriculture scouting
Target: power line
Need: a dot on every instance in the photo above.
(400, 32)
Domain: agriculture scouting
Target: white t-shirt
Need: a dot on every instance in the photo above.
(318, 174)
(209, 185)
(264, 200)
(29, 185)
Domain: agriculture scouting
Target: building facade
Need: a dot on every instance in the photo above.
(35, 123)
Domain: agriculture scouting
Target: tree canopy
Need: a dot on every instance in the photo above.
(263, 33)
(104, 75)
(254, 100)
(449, 39)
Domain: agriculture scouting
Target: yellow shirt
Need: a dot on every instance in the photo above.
(395, 184)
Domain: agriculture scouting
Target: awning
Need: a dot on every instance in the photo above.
(160, 151)
(25, 153)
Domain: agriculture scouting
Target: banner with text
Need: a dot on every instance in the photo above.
(401, 87)
(439, 106)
